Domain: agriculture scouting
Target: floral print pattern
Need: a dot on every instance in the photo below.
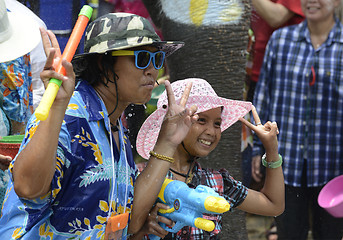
(16, 87)
(86, 175)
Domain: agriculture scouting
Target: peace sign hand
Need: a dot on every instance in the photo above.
(178, 119)
(53, 53)
(267, 133)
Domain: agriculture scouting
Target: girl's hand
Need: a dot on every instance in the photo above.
(178, 119)
(151, 225)
(53, 53)
(267, 133)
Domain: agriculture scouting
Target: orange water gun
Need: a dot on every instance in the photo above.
(50, 93)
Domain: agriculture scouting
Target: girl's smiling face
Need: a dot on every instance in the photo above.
(204, 135)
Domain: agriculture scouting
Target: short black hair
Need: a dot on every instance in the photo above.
(88, 69)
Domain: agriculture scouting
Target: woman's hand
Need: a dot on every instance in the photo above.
(53, 53)
(178, 119)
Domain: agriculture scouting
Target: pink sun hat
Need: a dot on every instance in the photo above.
(203, 96)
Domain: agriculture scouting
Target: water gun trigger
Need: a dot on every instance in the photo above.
(164, 211)
(178, 225)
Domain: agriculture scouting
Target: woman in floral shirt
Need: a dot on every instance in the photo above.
(74, 175)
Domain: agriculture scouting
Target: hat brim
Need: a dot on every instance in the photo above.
(232, 111)
(169, 47)
(25, 37)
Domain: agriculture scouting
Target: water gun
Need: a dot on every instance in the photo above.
(188, 205)
(50, 93)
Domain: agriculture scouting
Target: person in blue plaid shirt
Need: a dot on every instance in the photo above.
(301, 88)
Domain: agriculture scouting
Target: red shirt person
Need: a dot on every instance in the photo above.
(264, 21)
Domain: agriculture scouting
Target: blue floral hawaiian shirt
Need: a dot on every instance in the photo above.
(89, 180)
(16, 87)
(15, 101)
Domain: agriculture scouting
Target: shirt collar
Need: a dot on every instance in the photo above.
(335, 35)
(93, 104)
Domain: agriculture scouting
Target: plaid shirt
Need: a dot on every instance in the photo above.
(224, 184)
(301, 88)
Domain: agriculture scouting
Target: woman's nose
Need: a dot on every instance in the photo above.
(151, 70)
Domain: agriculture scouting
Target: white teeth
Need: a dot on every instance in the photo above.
(205, 142)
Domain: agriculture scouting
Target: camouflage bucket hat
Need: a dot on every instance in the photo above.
(116, 31)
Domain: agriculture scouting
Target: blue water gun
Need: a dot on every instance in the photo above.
(187, 206)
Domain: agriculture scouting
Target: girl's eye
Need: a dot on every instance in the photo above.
(201, 120)
(218, 124)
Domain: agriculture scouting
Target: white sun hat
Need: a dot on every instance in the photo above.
(19, 34)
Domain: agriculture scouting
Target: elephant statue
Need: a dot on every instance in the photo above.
(215, 33)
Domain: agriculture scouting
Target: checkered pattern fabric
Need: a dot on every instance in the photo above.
(301, 88)
(219, 180)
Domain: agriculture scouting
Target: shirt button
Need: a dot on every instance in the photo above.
(302, 146)
(305, 97)
(304, 122)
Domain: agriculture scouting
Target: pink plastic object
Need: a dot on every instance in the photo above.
(331, 197)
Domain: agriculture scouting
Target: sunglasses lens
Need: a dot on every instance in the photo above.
(143, 59)
(159, 58)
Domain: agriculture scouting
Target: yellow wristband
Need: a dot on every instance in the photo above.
(161, 157)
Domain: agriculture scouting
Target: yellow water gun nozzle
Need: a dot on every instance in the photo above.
(216, 204)
(204, 224)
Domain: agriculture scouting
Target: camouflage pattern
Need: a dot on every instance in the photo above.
(115, 31)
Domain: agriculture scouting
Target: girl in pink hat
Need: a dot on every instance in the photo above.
(215, 114)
